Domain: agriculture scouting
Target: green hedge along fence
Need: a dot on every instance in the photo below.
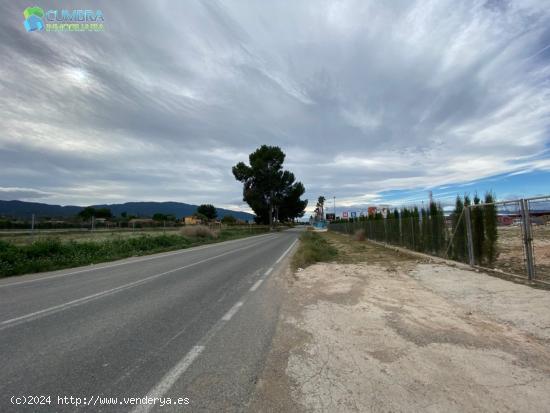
(428, 230)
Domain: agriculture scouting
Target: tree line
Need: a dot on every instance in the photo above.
(428, 230)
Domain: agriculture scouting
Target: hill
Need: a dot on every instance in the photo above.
(24, 210)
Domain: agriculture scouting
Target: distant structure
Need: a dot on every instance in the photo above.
(380, 209)
(192, 220)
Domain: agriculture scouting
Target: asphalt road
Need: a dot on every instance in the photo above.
(192, 325)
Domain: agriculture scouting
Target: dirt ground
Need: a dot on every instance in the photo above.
(382, 331)
(510, 250)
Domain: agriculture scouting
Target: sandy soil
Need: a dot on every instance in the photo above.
(510, 250)
(384, 332)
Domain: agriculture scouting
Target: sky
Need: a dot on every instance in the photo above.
(373, 102)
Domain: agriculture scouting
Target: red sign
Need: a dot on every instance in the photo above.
(345, 214)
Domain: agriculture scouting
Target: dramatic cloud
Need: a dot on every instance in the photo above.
(363, 96)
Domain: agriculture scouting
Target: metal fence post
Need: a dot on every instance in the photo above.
(527, 238)
(468, 223)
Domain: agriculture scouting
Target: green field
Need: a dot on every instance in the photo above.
(22, 253)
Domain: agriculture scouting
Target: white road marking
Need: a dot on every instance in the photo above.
(170, 378)
(51, 310)
(103, 267)
(173, 375)
(286, 252)
(232, 311)
(256, 285)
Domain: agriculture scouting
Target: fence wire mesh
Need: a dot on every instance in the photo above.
(512, 236)
(510, 254)
(539, 218)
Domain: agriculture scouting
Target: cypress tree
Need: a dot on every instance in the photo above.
(396, 230)
(379, 227)
(459, 231)
(442, 228)
(434, 228)
(389, 227)
(491, 233)
(406, 228)
(426, 233)
(478, 231)
(417, 237)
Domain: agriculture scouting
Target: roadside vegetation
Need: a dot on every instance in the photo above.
(313, 248)
(427, 230)
(54, 253)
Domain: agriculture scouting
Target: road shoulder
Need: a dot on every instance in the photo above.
(382, 331)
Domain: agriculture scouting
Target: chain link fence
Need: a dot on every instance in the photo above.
(512, 237)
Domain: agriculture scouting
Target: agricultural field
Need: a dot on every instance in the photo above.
(80, 235)
(20, 237)
(46, 251)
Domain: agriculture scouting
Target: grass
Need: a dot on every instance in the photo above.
(54, 253)
(313, 248)
(353, 249)
(345, 249)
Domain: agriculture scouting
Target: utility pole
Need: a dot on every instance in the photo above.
(334, 199)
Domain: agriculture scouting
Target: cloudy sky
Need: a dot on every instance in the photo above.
(372, 101)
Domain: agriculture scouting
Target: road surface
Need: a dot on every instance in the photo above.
(193, 326)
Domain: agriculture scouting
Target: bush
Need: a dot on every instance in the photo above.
(229, 220)
(490, 224)
(459, 230)
(478, 231)
(199, 231)
(359, 235)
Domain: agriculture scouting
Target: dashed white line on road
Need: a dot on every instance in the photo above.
(256, 285)
(170, 378)
(173, 375)
(51, 310)
(232, 311)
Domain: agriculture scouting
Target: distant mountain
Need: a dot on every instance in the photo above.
(24, 210)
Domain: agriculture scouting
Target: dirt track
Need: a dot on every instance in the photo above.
(386, 332)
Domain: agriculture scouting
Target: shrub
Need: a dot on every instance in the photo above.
(490, 223)
(459, 230)
(478, 231)
(199, 231)
(359, 235)
(229, 220)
